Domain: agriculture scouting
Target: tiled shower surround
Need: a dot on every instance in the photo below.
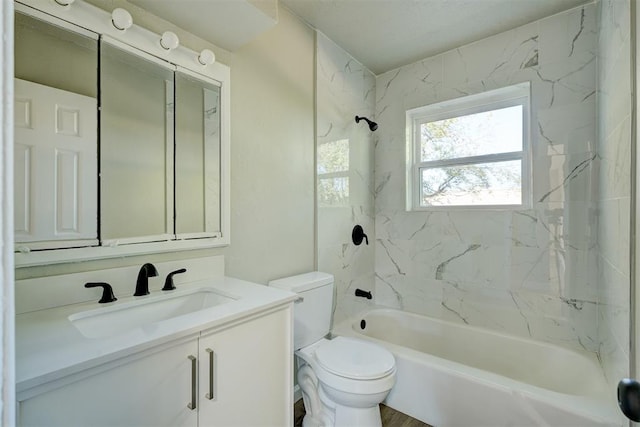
(527, 272)
(345, 89)
(556, 272)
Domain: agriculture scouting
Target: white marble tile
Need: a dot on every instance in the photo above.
(416, 294)
(614, 338)
(569, 81)
(503, 53)
(614, 223)
(614, 109)
(614, 31)
(335, 226)
(616, 284)
(345, 89)
(615, 163)
(394, 257)
(566, 225)
(564, 178)
(615, 94)
(566, 34)
(564, 130)
(474, 261)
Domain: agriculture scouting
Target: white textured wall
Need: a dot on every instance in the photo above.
(272, 154)
(526, 272)
(614, 150)
(344, 89)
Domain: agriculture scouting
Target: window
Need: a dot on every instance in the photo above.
(333, 173)
(470, 152)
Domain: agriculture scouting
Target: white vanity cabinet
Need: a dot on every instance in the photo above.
(147, 389)
(251, 382)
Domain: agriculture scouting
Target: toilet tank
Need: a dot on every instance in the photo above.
(311, 316)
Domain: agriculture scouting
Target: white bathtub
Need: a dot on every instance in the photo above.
(457, 375)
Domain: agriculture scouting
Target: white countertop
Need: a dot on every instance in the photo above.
(49, 346)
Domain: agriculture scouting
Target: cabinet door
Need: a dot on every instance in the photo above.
(152, 390)
(252, 374)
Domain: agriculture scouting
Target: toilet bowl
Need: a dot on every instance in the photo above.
(346, 379)
(343, 380)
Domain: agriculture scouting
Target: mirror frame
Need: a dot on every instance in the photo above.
(88, 17)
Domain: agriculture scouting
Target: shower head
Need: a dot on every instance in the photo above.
(372, 125)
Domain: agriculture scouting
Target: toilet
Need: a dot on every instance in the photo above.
(343, 380)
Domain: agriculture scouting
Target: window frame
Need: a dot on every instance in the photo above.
(519, 94)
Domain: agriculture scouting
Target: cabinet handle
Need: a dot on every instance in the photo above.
(212, 356)
(192, 404)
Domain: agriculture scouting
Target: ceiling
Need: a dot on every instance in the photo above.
(386, 34)
(229, 24)
(381, 34)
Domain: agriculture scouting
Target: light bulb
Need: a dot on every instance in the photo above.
(121, 19)
(169, 40)
(206, 57)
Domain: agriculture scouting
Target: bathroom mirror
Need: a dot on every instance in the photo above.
(55, 132)
(159, 147)
(136, 146)
(197, 160)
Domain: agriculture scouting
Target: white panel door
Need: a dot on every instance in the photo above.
(55, 175)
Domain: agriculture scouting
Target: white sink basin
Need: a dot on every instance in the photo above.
(127, 316)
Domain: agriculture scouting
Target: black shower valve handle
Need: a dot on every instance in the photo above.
(357, 235)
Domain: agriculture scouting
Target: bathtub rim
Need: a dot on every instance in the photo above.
(601, 408)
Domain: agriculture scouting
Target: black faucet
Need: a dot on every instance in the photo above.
(142, 284)
(364, 294)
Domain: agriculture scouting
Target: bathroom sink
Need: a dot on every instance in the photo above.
(144, 312)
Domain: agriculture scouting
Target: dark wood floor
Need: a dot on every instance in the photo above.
(390, 417)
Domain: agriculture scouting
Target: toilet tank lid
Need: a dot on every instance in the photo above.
(303, 282)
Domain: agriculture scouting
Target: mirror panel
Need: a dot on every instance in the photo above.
(55, 135)
(71, 58)
(197, 161)
(136, 147)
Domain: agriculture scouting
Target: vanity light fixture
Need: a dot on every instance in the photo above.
(206, 57)
(121, 19)
(169, 40)
(64, 2)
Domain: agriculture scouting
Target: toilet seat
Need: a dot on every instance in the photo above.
(346, 382)
(355, 359)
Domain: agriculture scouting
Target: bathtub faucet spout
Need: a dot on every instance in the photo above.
(364, 294)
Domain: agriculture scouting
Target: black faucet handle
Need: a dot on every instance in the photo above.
(107, 291)
(168, 282)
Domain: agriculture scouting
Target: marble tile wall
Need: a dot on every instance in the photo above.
(344, 89)
(529, 272)
(614, 152)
